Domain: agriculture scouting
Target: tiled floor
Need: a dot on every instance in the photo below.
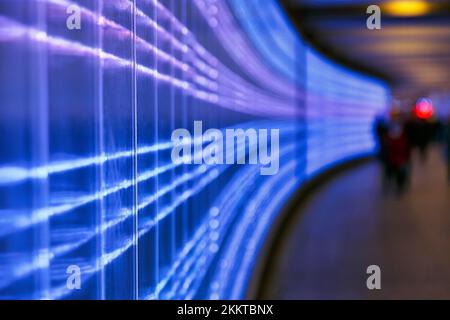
(350, 223)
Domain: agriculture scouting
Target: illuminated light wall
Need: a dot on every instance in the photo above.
(341, 107)
(86, 117)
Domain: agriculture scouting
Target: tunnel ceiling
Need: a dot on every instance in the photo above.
(411, 52)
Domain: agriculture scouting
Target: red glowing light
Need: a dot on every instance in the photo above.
(424, 109)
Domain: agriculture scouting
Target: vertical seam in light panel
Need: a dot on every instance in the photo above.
(42, 137)
(156, 113)
(101, 147)
(173, 218)
(135, 159)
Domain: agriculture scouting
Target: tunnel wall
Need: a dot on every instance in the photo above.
(88, 188)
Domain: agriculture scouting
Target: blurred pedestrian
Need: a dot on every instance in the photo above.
(381, 131)
(447, 147)
(420, 134)
(398, 149)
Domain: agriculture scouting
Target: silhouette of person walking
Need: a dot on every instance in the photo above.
(398, 154)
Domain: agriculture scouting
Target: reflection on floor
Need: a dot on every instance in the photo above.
(350, 224)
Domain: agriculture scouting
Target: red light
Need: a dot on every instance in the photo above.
(424, 109)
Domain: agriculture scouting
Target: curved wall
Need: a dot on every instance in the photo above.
(87, 183)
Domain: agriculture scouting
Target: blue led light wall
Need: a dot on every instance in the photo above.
(92, 205)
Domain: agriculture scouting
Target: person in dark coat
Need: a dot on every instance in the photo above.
(381, 131)
(447, 147)
(398, 155)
